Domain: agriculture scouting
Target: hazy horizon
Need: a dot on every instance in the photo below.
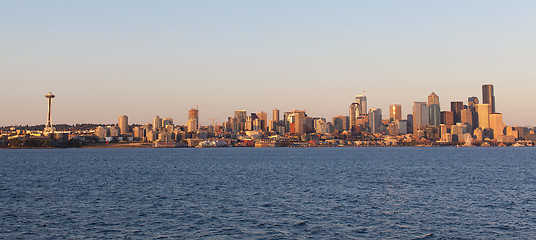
(142, 59)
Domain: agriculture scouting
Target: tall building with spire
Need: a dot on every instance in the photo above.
(488, 96)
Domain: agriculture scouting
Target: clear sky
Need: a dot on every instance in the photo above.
(103, 59)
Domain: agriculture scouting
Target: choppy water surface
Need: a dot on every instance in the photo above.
(342, 193)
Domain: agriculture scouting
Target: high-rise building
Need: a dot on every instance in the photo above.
(395, 112)
(167, 121)
(496, 124)
(484, 110)
(434, 109)
(433, 99)
(467, 119)
(362, 101)
(193, 120)
(241, 115)
(263, 118)
(275, 115)
(123, 124)
(488, 96)
(157, 123)
(375, 120)
(456, 107)
(297, 121)
(472, 102)
(447, 118)
(421, 116)
(340, 123)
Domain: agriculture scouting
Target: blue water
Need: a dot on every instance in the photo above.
(339, 193)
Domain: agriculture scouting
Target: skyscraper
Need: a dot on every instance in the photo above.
(471, 102)
(123, 124)
(375, 120)
(395, 112)
(433, 99)
(467, 119)
(296, 120)
(241, 115)
(362, 101)
(275, 115)
(358, 109)
(263, 118)
(434, 109)
(421, 116)
(167, 121)
(496, 124)
(340, 123)
(193, 120)
(484, 111)
(488, 96)
(456, 107)
(157, 123)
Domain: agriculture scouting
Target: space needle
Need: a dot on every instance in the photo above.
(48, 127)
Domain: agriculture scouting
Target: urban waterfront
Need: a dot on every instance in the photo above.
(266, 193)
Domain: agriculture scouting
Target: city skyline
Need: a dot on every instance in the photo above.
(432, 114)
(148, 59)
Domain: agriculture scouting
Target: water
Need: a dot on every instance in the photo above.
(339, 193)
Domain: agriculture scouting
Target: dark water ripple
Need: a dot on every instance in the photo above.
(328, 193)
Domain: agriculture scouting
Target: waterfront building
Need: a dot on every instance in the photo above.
(496, 124)
(434, 109)
(138, 132)
(395, 112)
(478, 135)
(488, 96)
(458, 131)
(101, 132)
(113, 131)
(421, 116)
(375, 120)
(483, 111)
(157, 123)
(456, 107)
(123, 124)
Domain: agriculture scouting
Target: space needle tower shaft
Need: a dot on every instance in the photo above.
(50, 96)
